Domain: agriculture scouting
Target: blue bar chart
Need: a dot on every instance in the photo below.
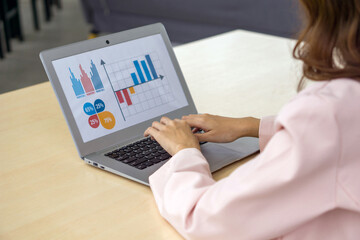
(146, 70)
(151, 65)
(76, 85)
(141, 72)
(95, 77)
(138, 81)
(134, 78)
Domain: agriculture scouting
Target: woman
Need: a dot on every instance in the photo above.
(306, 180)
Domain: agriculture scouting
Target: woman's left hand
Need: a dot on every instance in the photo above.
(172, 135)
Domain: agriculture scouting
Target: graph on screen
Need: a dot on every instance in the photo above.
(138, 84)
(85, 85)
(112, 88)
(98, 115)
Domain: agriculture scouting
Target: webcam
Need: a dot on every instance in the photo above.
(107, 41)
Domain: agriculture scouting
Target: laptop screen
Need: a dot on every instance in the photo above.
(115, 87)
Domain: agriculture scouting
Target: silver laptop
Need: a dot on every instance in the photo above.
(113, 87)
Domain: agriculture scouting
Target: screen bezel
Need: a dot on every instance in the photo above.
(129, 134)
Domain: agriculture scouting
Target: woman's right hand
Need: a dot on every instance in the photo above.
(222, 129)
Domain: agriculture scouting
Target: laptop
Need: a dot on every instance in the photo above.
(113, 87)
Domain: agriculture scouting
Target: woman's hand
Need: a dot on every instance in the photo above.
(172, 135)
(222, 129)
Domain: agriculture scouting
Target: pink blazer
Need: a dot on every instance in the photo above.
(305, 183)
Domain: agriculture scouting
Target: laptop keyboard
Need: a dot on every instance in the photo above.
(141, 154)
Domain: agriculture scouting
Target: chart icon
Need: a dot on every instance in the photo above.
(86, 85)
(139, 84)
(98, 115)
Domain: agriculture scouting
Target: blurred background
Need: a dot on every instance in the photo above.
(29, 26)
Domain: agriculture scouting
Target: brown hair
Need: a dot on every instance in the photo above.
(329, 45)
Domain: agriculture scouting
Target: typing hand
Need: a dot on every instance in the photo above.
(172, 135)
(222, 129)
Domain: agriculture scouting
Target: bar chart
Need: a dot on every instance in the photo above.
(138, 83)
(86, 85)
(134, 76)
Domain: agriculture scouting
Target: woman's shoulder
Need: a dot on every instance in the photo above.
(335, 89)
(322, 101)
(343, 93)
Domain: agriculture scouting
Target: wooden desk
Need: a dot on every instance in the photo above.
(47, 192)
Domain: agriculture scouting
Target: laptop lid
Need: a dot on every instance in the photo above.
(113, 87)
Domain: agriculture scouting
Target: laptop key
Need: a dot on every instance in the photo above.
(148, 163)
(148, 157)
(114, 155)
(144, 165)
(132, 153)
(129, 160)
(155, 154)
(137, 162)
(139, 155)
(164, 156)
(141, 166)
(156, 160)
(122, 157)
(121, 152)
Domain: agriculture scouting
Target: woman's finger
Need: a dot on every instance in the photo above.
(194, 130)
(204, 137)
(180, 121)
(158, 126)
(150, 131)
(165, 120)
(196, 121)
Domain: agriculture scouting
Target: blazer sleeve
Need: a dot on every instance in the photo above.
(293, 181)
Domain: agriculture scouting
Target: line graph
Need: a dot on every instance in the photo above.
(138, 84)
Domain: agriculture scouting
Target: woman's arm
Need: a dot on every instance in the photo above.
(175, 135)
(292, 183)
(222, 129)
(225, 129)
